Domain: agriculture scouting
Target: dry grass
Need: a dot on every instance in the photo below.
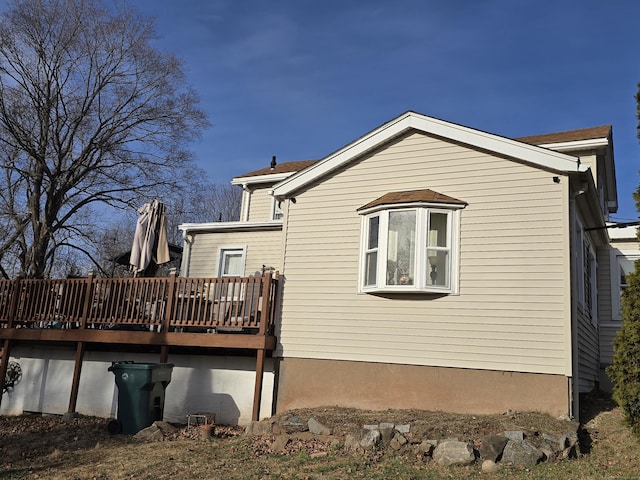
(47, 448)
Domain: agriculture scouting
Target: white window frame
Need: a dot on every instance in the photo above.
(419, 284)
(277, 212)
(225, 249)
(585, 256)
(616, 290)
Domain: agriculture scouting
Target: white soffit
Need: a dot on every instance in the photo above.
(534, 155)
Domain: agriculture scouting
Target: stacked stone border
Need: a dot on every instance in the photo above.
(508, 447)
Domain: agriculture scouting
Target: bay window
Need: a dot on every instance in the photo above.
(407, 248)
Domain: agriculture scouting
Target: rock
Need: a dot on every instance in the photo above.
(150, 434)
(70, 416)
(453, 452)
(397, 442)
(387, 434)
(371, 427)
(384, 425)
(492, 447)
(426, 447)
(351, 443)
(549, 455)
(294, 424)
(280, 443)
(522, 453)
(165, 427)
(370, 439)
(489, 466)
(317, 428)
(260, 428)
(403, 428)
(514, 435)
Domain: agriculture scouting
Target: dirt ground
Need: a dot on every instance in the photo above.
(47, 447)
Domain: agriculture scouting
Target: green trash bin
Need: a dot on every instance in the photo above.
(141, 388)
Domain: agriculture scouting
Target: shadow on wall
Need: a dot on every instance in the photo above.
(200, 395)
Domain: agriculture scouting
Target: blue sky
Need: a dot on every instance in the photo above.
(300, 79)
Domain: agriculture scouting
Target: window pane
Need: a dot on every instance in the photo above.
(401, 247)
(371, 267)
(374, 222)
(438, 268)
(232, 266)
(437, 230)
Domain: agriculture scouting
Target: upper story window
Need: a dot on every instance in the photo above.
(410, 243)
(623, 264)
(586, 274)
(276, 209)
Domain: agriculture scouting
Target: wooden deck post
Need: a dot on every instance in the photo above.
(257, 392)
(87, 301)
(171, 294)
(265, 320)
(75, 385)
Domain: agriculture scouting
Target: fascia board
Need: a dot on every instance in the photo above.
(275, 177)
(529, 153)
(576, 145)
(211, 227)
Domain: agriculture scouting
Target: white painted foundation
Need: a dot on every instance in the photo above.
(199, 383)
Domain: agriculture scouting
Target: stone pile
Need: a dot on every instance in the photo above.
(509, 447)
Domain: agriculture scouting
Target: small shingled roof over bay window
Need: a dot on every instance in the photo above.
(410, 243)
(412, 197)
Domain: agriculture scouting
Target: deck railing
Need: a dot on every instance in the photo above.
(163, 304)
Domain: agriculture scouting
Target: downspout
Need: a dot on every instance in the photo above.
(574, 390)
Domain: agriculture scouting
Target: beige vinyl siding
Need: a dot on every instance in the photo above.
(260, 205)
(608, 332)
(605, 287)
(262, 248)
(588, 353)
(511, 313)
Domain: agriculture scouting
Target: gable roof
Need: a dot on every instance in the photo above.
(534, 155)
(412, 197)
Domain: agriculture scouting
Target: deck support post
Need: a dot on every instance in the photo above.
(164, 354)
(257, 393)
(75, 385)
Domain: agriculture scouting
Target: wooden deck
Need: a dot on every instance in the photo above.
(228, 313)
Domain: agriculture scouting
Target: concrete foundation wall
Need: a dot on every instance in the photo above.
(377, 386)
(220, 384)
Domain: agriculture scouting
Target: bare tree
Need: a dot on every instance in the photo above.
(90, 115)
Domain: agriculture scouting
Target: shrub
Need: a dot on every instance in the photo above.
(625, 369)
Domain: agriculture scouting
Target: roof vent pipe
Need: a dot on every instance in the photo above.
(273, 162)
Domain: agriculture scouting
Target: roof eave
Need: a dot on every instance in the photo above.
(210, 227)
(269, 178)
